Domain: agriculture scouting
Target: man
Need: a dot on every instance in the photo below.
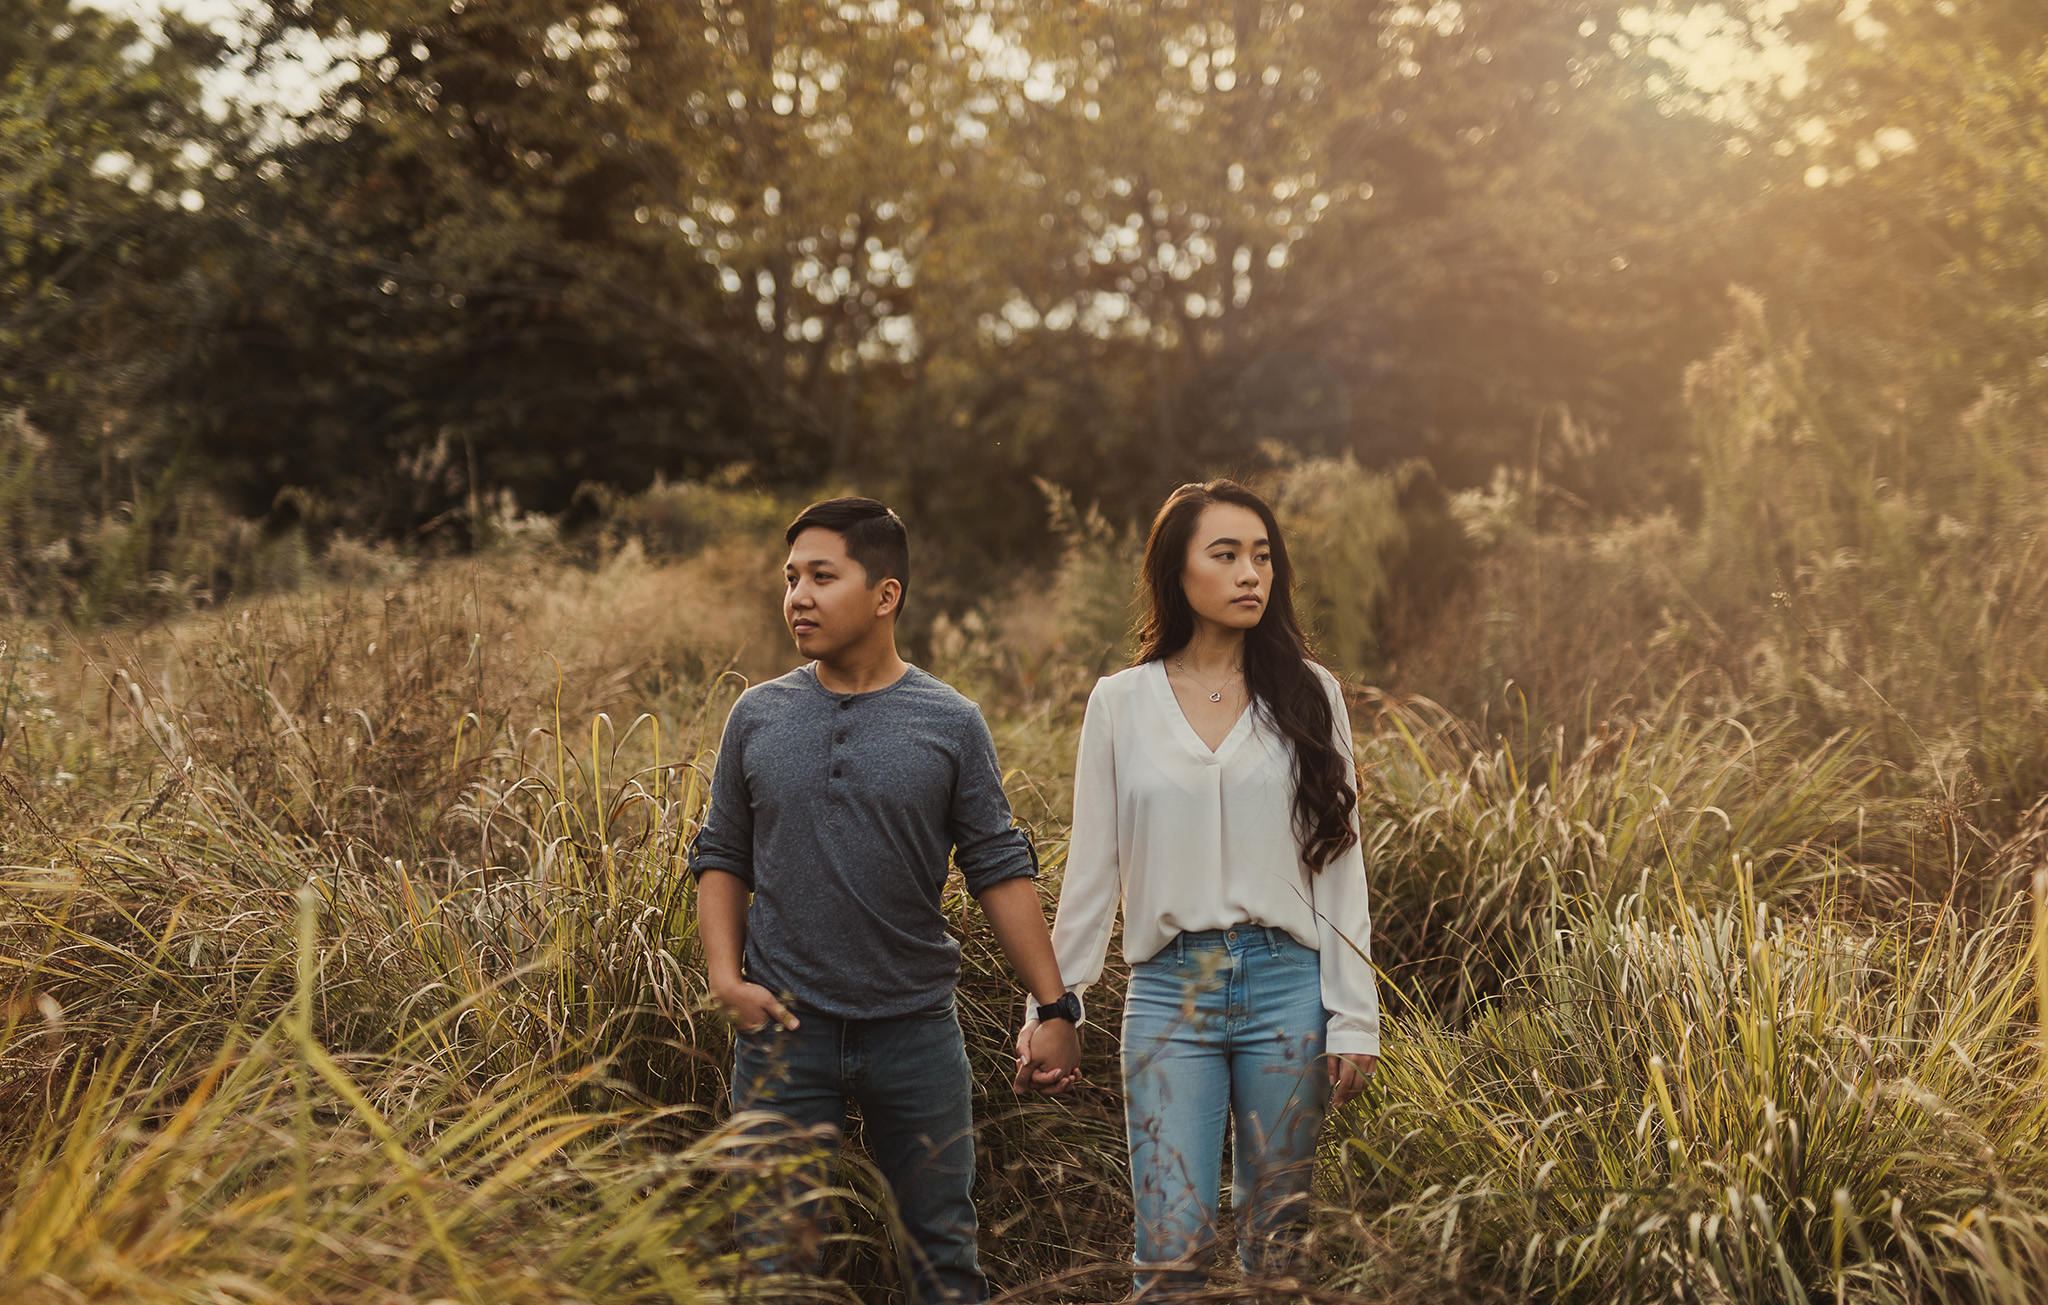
(841, 792)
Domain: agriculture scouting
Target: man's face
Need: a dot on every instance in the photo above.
(827, 601)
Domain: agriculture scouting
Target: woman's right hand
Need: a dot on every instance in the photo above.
(1052, 1068)
(752, 1007)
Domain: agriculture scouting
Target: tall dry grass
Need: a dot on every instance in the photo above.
(349, 955)
(383, 986)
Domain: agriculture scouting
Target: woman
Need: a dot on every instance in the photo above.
(1215, 795)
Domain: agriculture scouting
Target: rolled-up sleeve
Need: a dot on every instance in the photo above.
(1344, 929)
(988, 846)
(725, 839)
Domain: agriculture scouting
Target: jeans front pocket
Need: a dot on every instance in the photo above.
(760, 1058)
(1287, 952)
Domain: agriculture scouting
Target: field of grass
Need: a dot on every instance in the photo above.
(347, 955)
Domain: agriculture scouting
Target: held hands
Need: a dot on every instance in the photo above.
(1048, 1057)
(1348, 1073)
(752, 1007)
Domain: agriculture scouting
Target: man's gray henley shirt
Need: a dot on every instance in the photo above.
(840, 811)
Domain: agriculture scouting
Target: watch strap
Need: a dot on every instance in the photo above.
(1068, 1008)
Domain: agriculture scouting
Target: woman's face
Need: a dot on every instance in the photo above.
(1228, 574)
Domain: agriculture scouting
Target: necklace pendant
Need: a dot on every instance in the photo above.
(1216, 696)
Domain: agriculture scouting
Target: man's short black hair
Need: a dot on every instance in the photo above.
(874, 535)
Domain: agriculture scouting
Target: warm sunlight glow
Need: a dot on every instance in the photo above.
(1723, 58)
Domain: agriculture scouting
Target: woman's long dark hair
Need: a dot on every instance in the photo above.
(1277, 673)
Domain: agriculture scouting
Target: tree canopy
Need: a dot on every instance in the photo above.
(522, 249)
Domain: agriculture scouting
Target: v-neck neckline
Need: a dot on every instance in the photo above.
(1189, 735)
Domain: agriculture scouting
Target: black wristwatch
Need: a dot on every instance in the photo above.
(1067, 1008)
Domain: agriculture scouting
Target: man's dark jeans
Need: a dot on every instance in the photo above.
(910, 1079)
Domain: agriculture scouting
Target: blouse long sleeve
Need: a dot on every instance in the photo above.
(1344, 929)
(1093, 881)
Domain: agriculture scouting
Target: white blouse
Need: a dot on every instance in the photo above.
(1193, 839)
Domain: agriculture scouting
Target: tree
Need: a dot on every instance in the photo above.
(106, 169)
(1358, 226)
(461, 285)
(946, 248)
(1914, 259)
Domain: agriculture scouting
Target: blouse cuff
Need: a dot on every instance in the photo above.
(1352, 1042)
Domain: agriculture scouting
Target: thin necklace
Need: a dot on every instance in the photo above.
(1217, 696)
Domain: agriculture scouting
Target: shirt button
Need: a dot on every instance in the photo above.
(846, 704)
(835, 772)
(840, 737)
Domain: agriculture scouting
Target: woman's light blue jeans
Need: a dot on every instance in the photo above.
(1223, 1028)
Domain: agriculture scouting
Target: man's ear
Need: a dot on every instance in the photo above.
(889, 596)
